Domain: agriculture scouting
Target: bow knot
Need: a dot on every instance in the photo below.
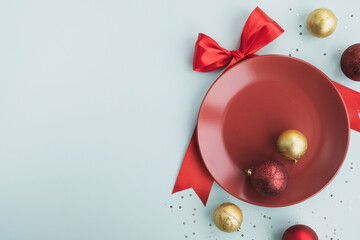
(237, 55)
(259, 30)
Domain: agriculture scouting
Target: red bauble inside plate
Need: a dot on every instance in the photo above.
(251, 104)
(269, 178)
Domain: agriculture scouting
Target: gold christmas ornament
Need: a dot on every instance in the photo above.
(228, 217)
(292, 144)
(321, 22)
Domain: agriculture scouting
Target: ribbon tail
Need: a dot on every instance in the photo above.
(352, 102)
(193, 173)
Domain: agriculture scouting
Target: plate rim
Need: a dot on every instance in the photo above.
(331, 84)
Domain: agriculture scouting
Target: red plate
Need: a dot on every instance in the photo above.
(248, 107)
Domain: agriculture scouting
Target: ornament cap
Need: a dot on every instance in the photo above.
(249, 171)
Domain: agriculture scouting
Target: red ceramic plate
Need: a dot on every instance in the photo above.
(248, 107)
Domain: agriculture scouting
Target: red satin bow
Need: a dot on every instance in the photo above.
(259, 30)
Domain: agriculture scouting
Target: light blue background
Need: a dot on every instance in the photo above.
(98, 101)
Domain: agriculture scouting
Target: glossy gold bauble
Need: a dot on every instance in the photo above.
(228, 217)
(321, 22)
(292, 144)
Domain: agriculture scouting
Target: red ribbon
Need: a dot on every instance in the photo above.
(193, 173)
(259, 30)
(352, 103)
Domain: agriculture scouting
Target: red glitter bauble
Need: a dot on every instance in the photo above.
(350, 62)
(299, 232)
(269, 178)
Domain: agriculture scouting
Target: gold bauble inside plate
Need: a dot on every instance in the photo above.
(292, 144)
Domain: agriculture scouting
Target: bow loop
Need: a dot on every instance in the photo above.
(209, 55)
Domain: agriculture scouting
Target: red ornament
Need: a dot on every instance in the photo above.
(350, 62)
(269, 178)
(299, 232)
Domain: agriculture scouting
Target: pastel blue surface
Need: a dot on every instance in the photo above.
(98, 102)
